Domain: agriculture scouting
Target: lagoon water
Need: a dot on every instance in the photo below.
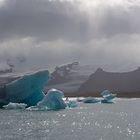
(119, 121)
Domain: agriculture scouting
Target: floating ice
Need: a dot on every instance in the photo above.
(53, 100)
(80, 99)
(106, 93)
(15, 106)
(72, 104)
(91, 100)
(108, 96)
(27, 89)
(107, 101)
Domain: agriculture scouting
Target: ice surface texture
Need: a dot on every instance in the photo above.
(53, 100)
(27, 89)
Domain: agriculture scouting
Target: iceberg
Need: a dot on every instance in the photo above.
(52, 101)
(91, 100)
(107, 96)
(15, 106)
(28, 89)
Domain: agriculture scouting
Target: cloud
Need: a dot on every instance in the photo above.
(42, 19)
(50, 33)
(66, 20)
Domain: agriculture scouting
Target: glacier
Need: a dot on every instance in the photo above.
(28, 89)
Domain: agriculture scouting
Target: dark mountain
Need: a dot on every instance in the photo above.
(118, 82)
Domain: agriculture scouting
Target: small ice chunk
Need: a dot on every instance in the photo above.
(53, 100)
(80, 99)
(15, 106)
(72, 104)
(107, 95)
(107, 101)
(36, 108)
(91, 100)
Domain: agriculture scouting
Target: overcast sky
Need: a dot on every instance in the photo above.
(53, 32)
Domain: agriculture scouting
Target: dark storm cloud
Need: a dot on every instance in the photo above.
(42, 19)
(52, 33)
(47, 20)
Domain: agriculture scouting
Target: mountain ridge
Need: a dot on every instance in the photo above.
(114, 81)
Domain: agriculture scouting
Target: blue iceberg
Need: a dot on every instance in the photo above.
(52, 101)
(107, 96)
(91, 100)
(28, 89)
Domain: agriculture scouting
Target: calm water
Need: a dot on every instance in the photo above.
(120, 121)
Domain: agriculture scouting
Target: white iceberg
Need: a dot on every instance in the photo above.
(15, 106)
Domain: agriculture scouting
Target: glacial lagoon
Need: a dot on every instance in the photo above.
(118, 121)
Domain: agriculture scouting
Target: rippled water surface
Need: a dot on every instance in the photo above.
(119, 121)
